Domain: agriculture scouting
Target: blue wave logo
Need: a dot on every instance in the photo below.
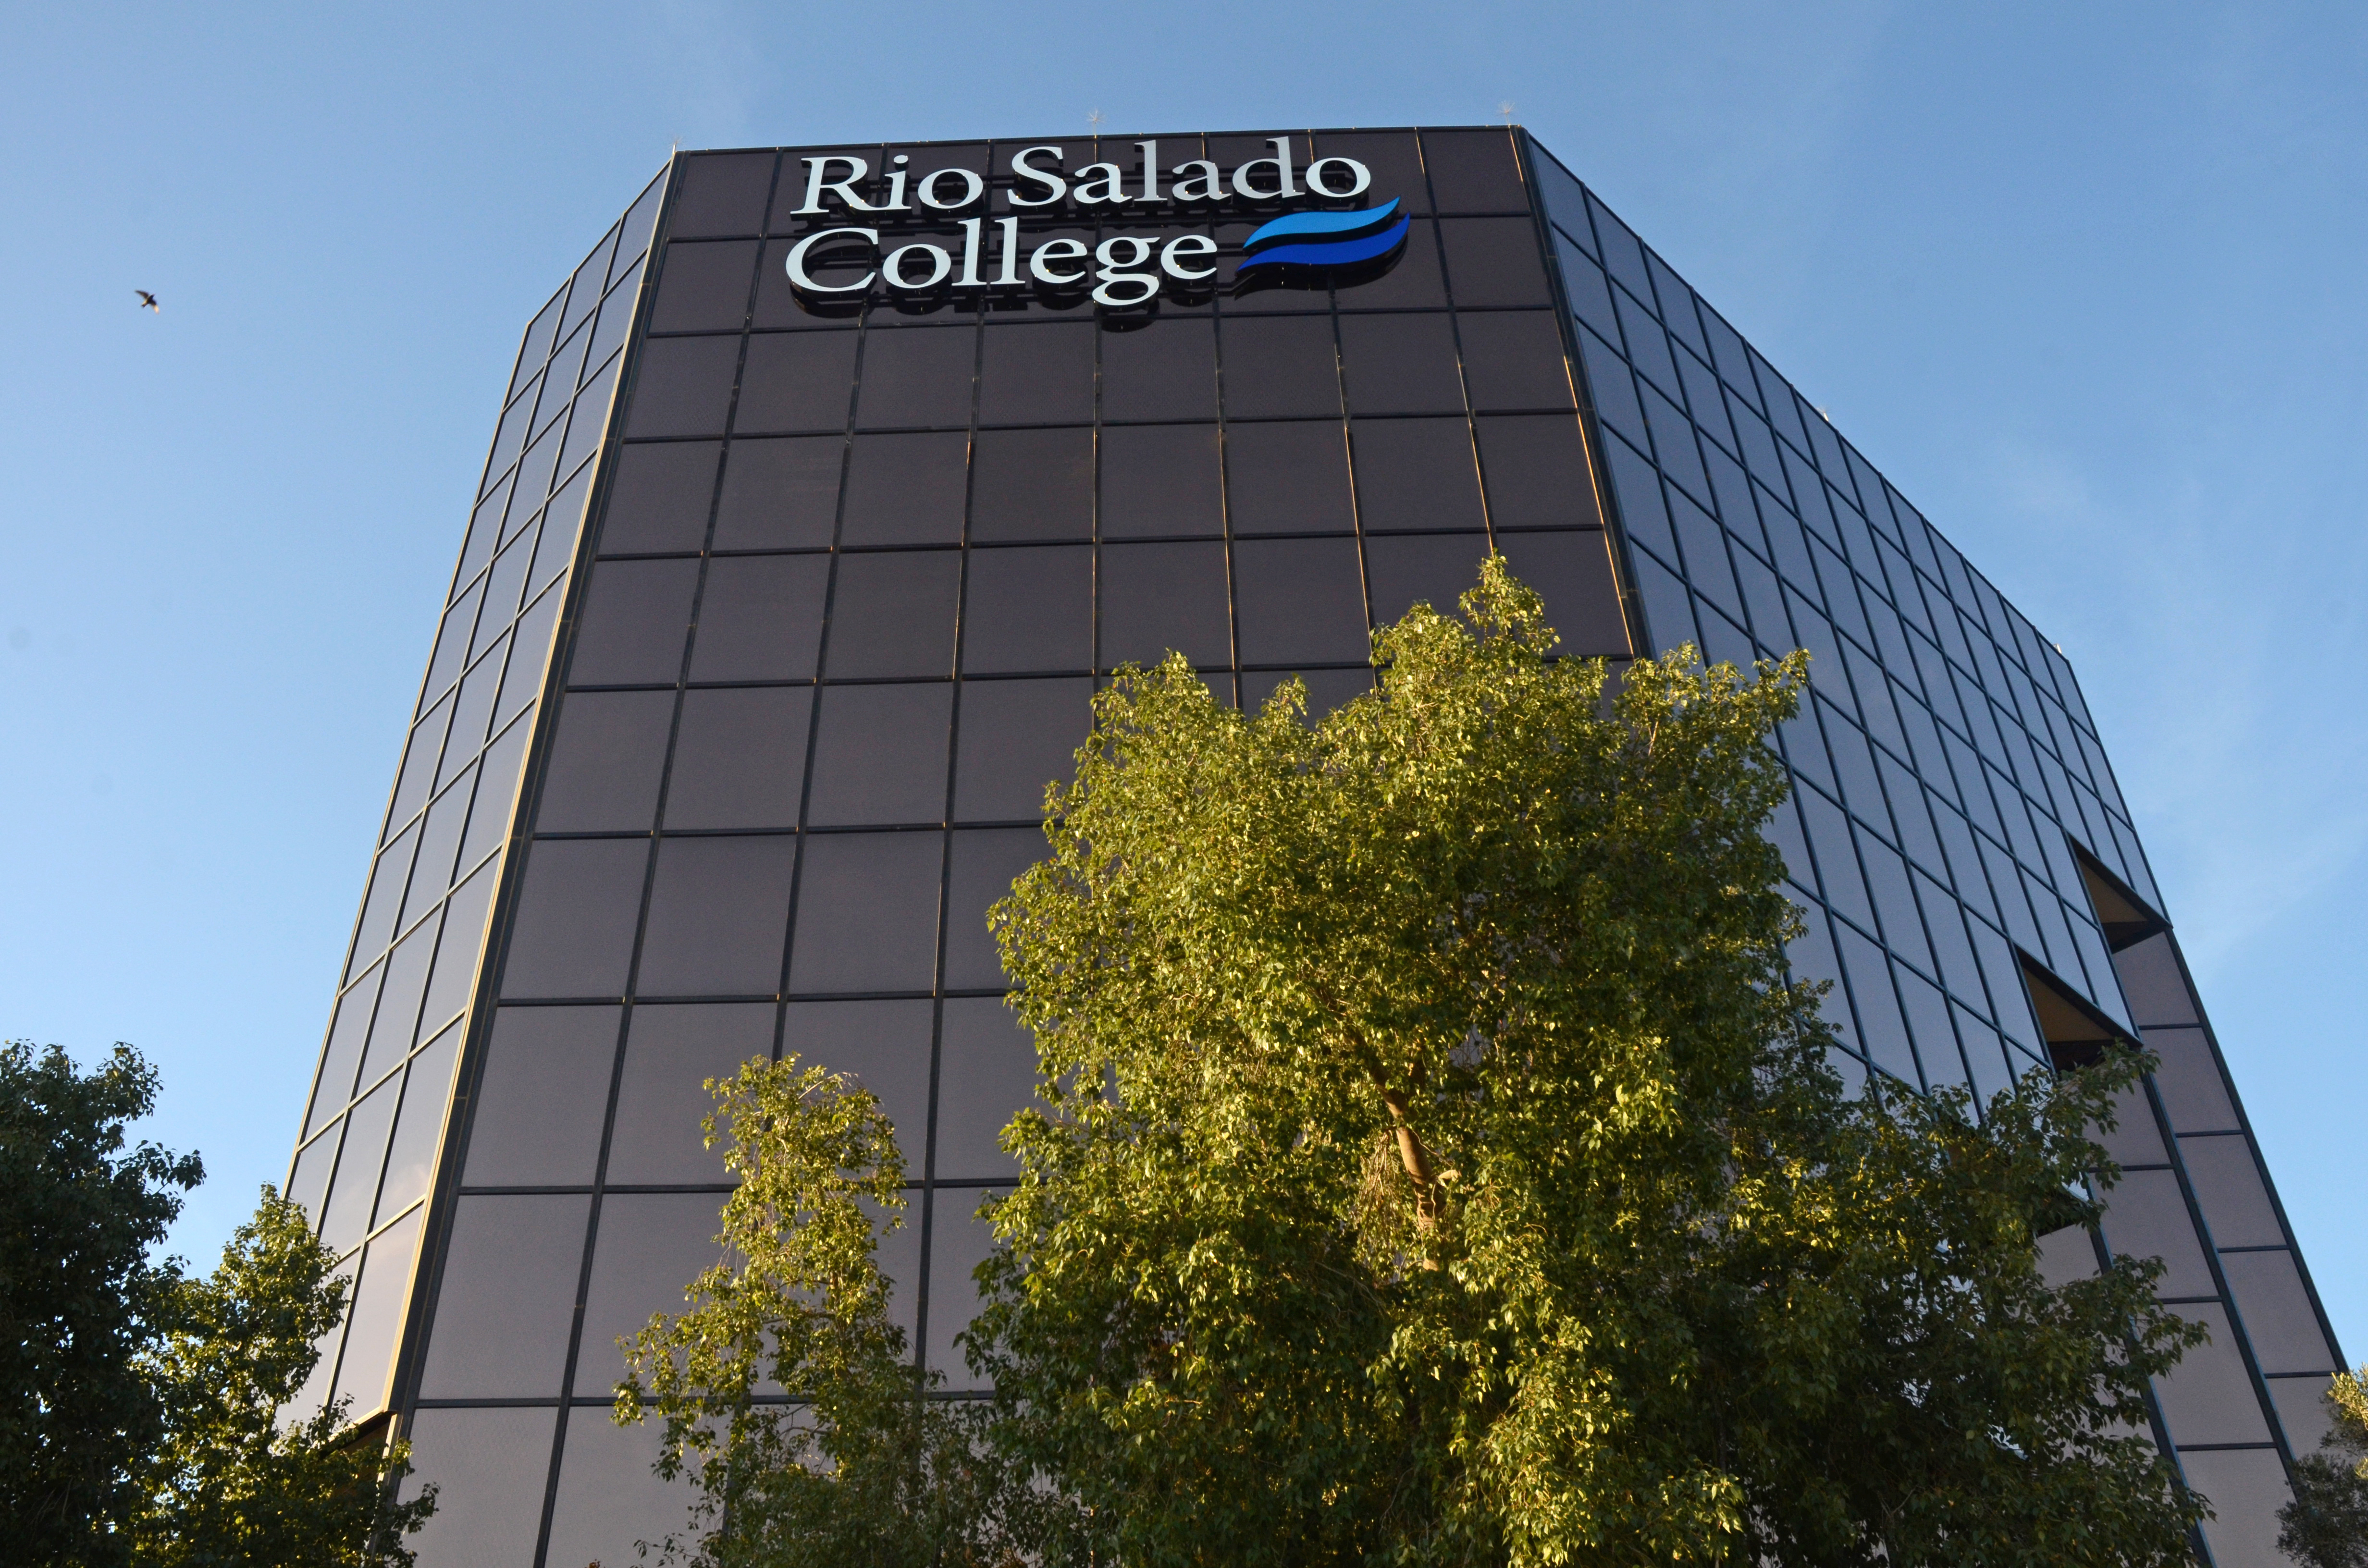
(1326, 239)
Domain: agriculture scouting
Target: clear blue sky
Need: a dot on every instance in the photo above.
(2085, 282)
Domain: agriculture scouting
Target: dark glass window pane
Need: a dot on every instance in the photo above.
(959, 1242)
(1164, 370)
(308, 1181)
(609, 1495)
(906, 489)
(1156, 597)
(2229, 1186)
(1281, 368)
(584, 289)
(574, 932)
(1611, 388)
(1300, 601)
(986, 1073)
(385, 899)
(452, 641)
(1391, 156)
(794, 380)
(1936, 1042)
(1326, 690)
(1016, 735)
(1416, 475)
(398, 1006)
(509, 1290)
(893, 615)
(1037, 375)
(1669, 612)
(591, 422)
(457, 952)
(1414, 281)
(617, 315)
(341, 1057)
(651, 1247)
(979, 874)
(1883, 1028)
(541, 1098)
(1163, 480)
(1033, 485)
(1288, 478)
(1536, 469)
(606, 763)
(778, 304)
(704, 288)
(1400, 364)
(346, 1216)
(529, 664)
(1437, 569)
(884, 1046)
(2278, 1321)
(1475, 171)
(484, 532)
(719, 908)
(1572, 571)
(739, 758)
(1029, 610)
(1515, 360)
(376, 1317)
(554, 552)
(670, 1052)
(502, 587)
(487, 1467)
(489, 814)
(2194, 1095)
(868, 912)
(919, 377)
(473, 710)
(411, 1153)
(682, 386)
(720, 193)
(759, 617)
(420, 764)
(635, 614)
(780, 495)
(1493, 261)
(880, 754)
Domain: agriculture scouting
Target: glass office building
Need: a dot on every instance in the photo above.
(822, 494)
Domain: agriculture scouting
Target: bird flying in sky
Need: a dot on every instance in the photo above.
(148, 300)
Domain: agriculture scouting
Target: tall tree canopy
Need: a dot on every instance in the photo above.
(1435, 1164)
(2326, 1526)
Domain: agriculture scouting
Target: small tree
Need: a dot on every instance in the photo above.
(80, 1293)
(2326, 1526)
(237, 1477)
(1435, 1165)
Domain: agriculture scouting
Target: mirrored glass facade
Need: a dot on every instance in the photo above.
(797, 556)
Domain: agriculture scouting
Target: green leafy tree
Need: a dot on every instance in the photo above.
(1434, 1164)
(2326, 1526)
(80, 1293)
(237, 1477)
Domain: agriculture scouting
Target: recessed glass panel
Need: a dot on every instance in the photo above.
(671, 1049)
(1037, 375)
(719, 909)
(885, 1047)
(542, 1097)
(906, 489)
(1015, 737)
(1157, 597)
(651, 1246)
(635, 616)
(1300, 601)
(986, 1073)
(1288, 478)
(892, 615)
(574, 932)
(346, 1216)
(1163, 480)
(1572, 571)
(1165, 371)
(739, 759)
(868, 912)
(1029, 610)
(759, 617)
(880, 754)
(980, 875)
(793, 382)
(1281, 368)
(505, 1298)
(606, 763)
(917, 378)
(704, 288)
(779, 495)
(1401, 364)
(682, 386)
(1033, 485)
(1416, 475)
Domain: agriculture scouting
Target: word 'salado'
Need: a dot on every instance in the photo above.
(1130, 267)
